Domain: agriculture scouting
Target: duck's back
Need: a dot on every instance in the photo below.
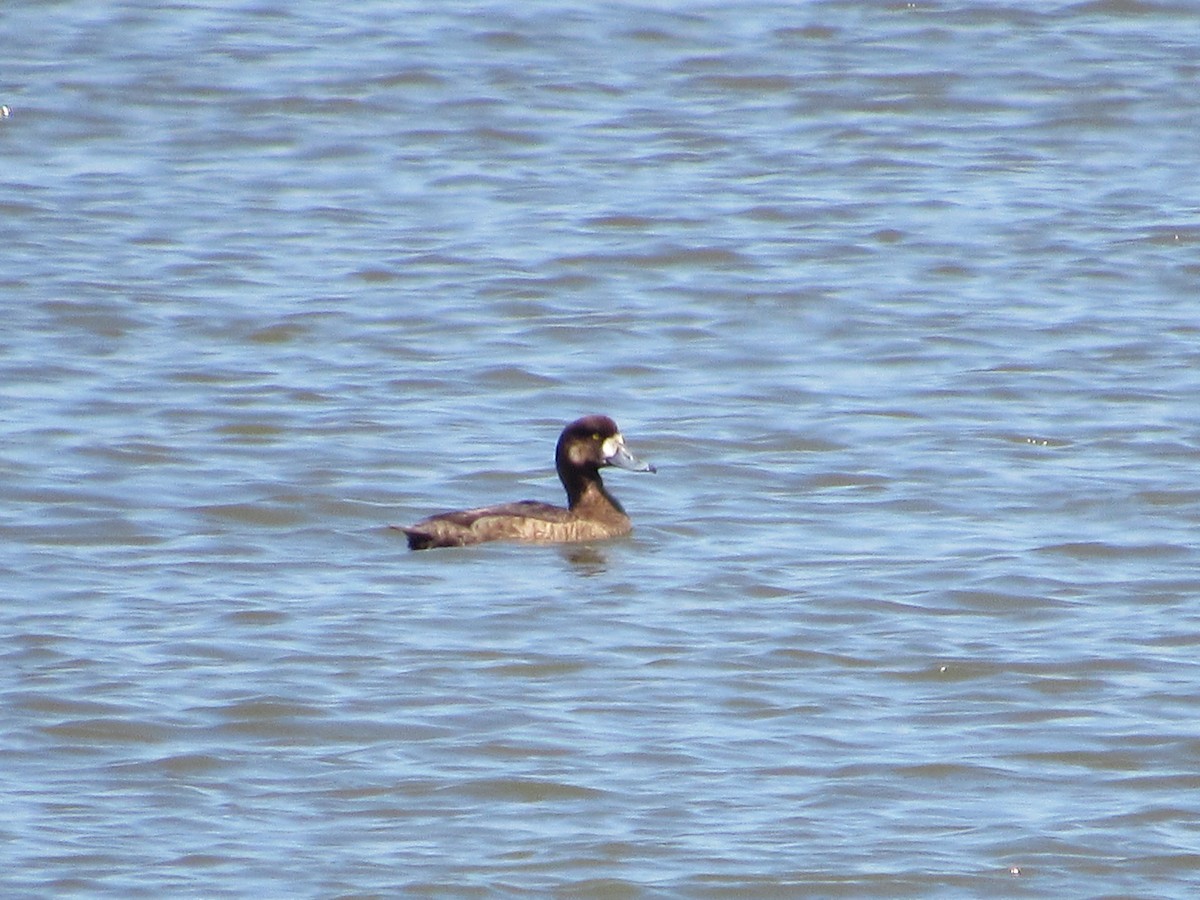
(530, 521)
(522, 520)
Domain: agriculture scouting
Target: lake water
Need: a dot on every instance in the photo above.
(901, 299)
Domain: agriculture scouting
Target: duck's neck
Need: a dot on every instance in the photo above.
(586, 491)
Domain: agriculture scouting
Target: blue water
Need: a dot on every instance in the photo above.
(900, 299)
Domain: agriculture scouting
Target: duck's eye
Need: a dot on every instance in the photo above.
(595, 435)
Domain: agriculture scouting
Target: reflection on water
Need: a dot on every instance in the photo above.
(587, 560)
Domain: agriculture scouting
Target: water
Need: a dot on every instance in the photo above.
(900, 298)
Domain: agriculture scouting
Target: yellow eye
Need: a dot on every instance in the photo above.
(596, 436)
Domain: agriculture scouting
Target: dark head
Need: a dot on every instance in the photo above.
(585, 447)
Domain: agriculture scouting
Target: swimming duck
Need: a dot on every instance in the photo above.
(584, 448)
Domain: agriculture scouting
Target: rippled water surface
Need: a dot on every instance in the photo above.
(901, 298)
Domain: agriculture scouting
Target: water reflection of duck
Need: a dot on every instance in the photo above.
(585, 446)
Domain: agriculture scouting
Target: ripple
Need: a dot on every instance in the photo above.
(1101, 550)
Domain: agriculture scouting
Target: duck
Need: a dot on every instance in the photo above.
(585, 446)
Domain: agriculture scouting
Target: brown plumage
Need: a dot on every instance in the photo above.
(584, 447)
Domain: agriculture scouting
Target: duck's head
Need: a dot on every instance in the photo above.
(593, 442)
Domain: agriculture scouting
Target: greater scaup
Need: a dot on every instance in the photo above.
(584, 447)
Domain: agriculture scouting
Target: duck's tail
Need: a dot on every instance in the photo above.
(417, 539)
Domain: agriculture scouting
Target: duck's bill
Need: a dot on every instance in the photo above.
(623, 459)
